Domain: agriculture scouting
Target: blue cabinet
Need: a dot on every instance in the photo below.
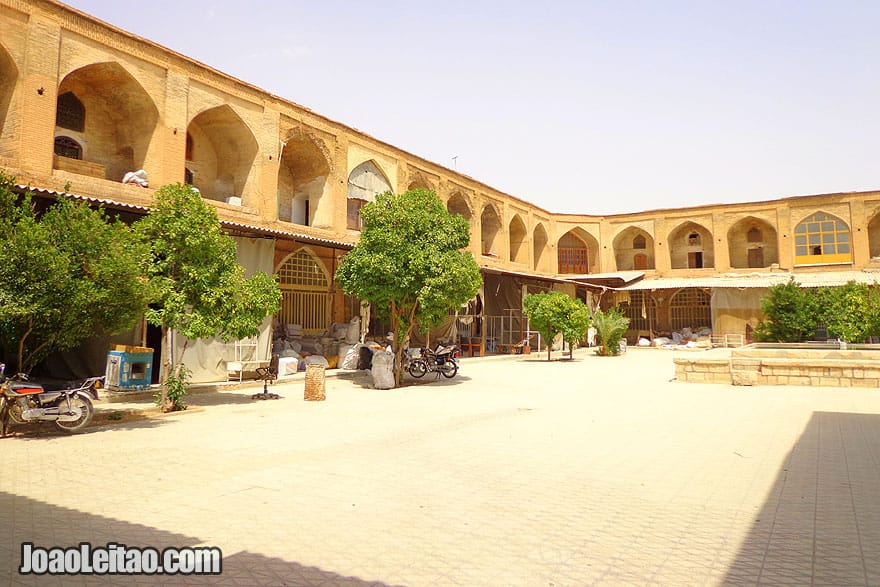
(129, 369)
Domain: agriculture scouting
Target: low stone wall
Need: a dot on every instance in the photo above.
(763, 366)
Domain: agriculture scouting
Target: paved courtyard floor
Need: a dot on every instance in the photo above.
(517, 472)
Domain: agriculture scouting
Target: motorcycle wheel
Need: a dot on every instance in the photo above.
(418, 368)
(449, 369)
(86, 413)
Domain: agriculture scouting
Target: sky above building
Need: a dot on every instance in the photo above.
(593, 107)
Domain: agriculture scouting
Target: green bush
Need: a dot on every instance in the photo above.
(791, 314)
(610, 327)
(175, 387)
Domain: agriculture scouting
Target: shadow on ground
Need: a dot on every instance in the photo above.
(820, 524)
(60, 526)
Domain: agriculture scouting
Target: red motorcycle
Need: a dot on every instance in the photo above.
(21, 402)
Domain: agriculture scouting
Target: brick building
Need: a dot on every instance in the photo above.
(82, 103)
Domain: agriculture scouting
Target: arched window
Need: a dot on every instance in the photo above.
(70, 112)
(754, 235)
(690, 307)
(573, 255)
(641, 311)
(694, 238)
(820, 239)
(639, 242)
(68, 147)
(305, 292)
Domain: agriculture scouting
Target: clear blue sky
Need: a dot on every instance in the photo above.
(583, 106)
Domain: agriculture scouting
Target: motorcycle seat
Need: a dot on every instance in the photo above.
(24, 388)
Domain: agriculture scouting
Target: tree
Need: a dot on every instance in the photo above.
(792, 314)
(849, 312)
(197, 287)
(610, 327)
(65, 276)
(554, 313)
(409, 264)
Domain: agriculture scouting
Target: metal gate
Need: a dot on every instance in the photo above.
(305, 292)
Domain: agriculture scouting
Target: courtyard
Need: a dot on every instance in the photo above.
(517, 472)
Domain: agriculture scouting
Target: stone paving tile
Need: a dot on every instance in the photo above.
(597, 471)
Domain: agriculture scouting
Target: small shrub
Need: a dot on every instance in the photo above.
(610, 327)
(175, 388)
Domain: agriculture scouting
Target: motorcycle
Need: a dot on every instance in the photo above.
(70, 409)
(443, 360)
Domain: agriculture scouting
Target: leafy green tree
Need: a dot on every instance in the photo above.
(850, 312)
(792, 314)
(65, 276)
(610, 327)
(196, 286)
(554, 313)
(409, 264)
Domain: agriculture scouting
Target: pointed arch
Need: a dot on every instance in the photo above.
(874, 237)
(752, 243)
(822, 238)
(690, 246)
(577, 252)
(224, 150)
(303, 170)
(641, 309)
(8, 82)
(517, 236)
(418, 181)
(305, 285)
(633, 249)
(365, 182)
(490, 226)
(108, 112)
(690, 307)
(459, 203)
(539, 247)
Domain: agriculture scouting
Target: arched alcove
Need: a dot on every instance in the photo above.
(490, 226)
(752, 243)
(459, 204)
(539, 249)
(8, 117)
(223, 150)
(104, 109)
(633, 249)
(302, 178)
(365, 182)
(516, 233)
(577, 252)
(690, 247)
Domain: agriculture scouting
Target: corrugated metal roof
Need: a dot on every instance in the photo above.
(623, 277)
(226, 223)
(80, 197)
(497, 271)
(286, 234)
(756, 280)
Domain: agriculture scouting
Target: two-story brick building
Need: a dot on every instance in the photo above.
(82, 103)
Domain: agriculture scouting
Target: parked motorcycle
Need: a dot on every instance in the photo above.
(442, 360)
(70, 409)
